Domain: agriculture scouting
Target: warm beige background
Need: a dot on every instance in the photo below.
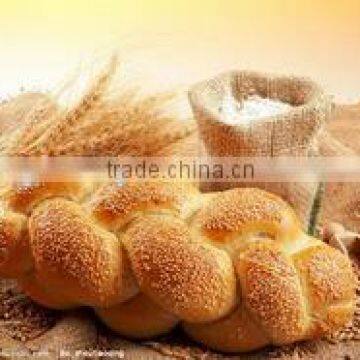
(180, 41)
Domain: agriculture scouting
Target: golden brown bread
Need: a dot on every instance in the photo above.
(190, 278)
(233, 268)
(138, 318)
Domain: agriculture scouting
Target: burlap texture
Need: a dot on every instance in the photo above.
(291, 134)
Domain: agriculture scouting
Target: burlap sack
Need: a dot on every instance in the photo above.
(291, 134)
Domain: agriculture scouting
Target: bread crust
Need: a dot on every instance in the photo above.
(72, 252)
(237, 332)
(138, 318)
(14, 240)
(233, 268)
(271, 292)
(192, 280)
(115, 205)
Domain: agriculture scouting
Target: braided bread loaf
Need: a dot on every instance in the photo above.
(234, 268)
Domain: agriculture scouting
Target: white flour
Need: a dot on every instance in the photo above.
(255, 107)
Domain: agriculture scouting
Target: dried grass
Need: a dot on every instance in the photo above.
(100, 124)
